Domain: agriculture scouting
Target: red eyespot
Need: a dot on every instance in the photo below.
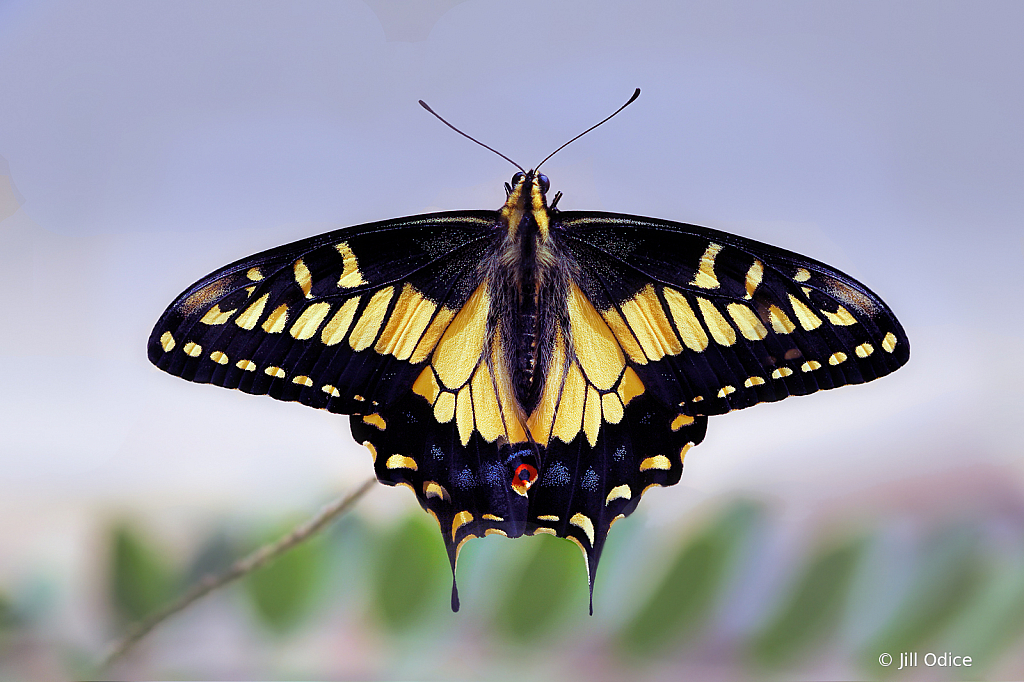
(523, 478)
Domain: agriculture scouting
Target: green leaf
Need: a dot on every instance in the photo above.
(282, 592)
(949, 574)
(141, 578)
(550, 580)
(814, 607)
(993, 622)
(692, 584)
(410, 572)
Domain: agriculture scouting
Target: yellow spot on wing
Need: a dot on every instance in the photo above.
(683, 451)
(836, 358)
(721, 331)
(249, 318)
(405, 327)
(547, 517)
(336, 329)
(753, 279)
(656, 462)
(611, 408)
(247, 365)
(779, 321)
(486, 411)
(680, 421)
(569, 415)
(808, 320)
(618, 492)
(889, 342)
(592, 415)
(810, 366)
(495, 531)
(214, 316)
(302, 380)
(585, 524)
(167, 341)
(459, 349)
(781, 372)
(375, 420)
(426, 385)
(460, 520)
(464, 414)
(365, 329)
(401, 462)
(841, 317)
(309, 321)
(726, 390)
(705, 276)
(444, 408)
(598, 352)
(864, 350)
(429, 339)
(491, 517)
(647, 319)
(303, 278)
(545, 531)
(254, 274)
(686, 321)
(747, 322)
(753, 381)
(630, 386)
(373, 450)
(192, 349)
(275, 372)
(330, 390)
(350, 275)
(276, 320)
(434, 489)
(541, 423)
(219, 357)
(802, 275)
(624, 336)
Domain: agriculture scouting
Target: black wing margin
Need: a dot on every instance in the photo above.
(713, 322)
(334, 321)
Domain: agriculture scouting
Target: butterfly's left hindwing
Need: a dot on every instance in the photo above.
(339, 321)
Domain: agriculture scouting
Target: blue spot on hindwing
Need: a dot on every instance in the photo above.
(556, 473)
(464, 479)
(492, 474)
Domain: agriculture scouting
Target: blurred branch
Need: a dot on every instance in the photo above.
(240, 568)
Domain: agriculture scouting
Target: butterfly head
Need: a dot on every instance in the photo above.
(527, 198)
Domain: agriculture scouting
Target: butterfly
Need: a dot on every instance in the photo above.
(528, 370)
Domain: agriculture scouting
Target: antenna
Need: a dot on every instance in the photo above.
(424, 105)
(631, 100)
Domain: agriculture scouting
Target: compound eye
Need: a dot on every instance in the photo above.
(516, 179)
(544, 183)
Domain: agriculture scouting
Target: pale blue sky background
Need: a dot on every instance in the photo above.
(146, 144)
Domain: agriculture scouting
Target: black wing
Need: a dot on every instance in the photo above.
(339, 321)
(713, 322)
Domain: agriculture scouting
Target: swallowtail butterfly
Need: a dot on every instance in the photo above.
(528, 370)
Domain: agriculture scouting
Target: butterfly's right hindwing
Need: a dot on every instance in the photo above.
(338, 321)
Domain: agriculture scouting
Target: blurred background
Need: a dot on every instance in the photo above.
(143, 145)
